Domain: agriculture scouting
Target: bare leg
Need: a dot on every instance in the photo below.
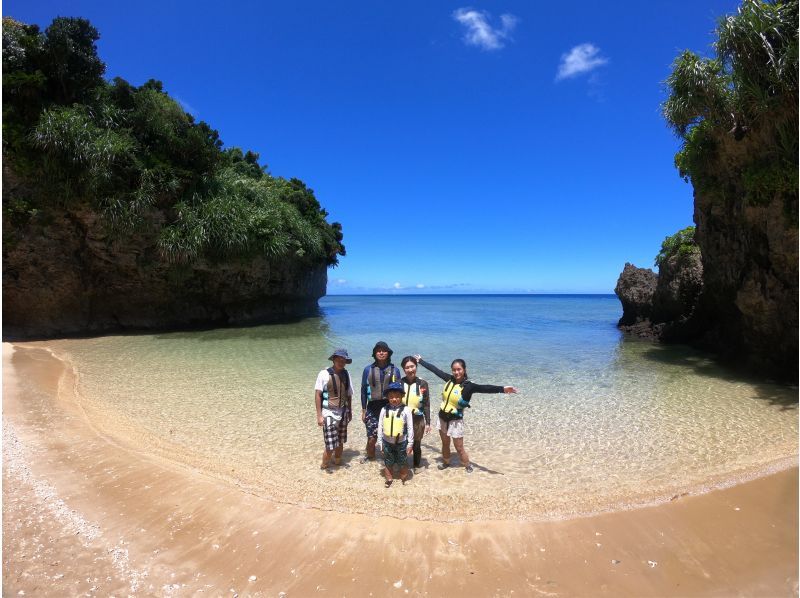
(326, 458)
(445, 446)
(403, 474)
(459, 443)
(337, 454)
(371, 442)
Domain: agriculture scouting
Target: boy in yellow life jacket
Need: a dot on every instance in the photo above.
(395, 433)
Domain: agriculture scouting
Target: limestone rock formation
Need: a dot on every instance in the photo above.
(635, 289)
(63, 275)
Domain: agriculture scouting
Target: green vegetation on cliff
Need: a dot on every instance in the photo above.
(681, 243)
(130, 152)
(747, 93)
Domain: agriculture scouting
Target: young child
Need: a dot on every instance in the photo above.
(395, 433)
(333, 394)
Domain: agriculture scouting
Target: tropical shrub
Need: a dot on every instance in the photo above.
(126, 151)
(747, 92)
(681, 243)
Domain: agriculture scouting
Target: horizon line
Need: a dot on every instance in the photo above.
(542, 293)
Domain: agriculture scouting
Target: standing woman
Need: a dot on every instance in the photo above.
(458, 391)
(417, 398)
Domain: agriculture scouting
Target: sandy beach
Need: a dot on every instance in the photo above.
(84, 515)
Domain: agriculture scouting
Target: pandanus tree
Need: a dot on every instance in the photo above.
(747, 91)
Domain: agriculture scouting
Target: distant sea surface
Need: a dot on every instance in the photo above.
(601, 422)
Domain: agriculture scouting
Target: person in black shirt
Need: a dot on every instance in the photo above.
(458, 391)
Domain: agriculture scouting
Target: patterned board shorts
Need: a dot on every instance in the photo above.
(334, 432)
(371, 422)
(454, 428)
(395, 454)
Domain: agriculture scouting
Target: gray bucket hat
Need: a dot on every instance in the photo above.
(341, 353)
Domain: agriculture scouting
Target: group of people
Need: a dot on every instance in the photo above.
(395, 409)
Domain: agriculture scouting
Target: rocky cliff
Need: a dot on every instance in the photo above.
(62, 275)
(750, 262)
(739, 296)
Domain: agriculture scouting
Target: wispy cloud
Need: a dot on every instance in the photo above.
(186, 106)
(480, 32)
(580, 59)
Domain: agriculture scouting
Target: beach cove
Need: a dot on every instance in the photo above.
(93, 484)
(85, 515)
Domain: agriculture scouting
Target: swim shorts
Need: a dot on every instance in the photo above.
(334, 431)
(371, 422)
(395, 454)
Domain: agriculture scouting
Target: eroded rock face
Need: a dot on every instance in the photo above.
(680, 282)
(750, 262)
(62, 275)
(744, 289)
(635, 289)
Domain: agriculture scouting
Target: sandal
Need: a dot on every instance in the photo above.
(388, 483)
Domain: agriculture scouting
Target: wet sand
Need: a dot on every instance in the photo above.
(84, 515)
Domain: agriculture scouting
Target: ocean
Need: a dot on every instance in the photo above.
(601, 422)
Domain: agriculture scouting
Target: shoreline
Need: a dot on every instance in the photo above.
(116, 521)
(269, 487)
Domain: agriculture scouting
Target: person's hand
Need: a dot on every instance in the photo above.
(427, 428)
(410, 450)
(363, 416)
(418, 358)
(320, 420)
(509, 390)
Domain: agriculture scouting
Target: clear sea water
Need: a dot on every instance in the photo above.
(601, 421)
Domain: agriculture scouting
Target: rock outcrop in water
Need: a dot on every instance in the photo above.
(664, 306)
(736, 115)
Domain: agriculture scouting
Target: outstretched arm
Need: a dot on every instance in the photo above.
(432, 368)
(470, 388)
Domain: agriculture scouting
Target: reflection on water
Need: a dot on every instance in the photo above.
(599, 422)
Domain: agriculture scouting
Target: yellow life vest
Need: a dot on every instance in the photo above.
(394, 423)
(450, 397)
(413, 398)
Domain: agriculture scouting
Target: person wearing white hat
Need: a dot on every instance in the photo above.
(333, 394)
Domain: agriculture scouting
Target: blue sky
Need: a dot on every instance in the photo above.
(487, 147)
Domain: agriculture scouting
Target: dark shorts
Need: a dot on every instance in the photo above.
(334, 432)
(395, 454)
(371, 422)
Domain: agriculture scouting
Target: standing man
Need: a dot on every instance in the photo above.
(333, 395)
(376, 377)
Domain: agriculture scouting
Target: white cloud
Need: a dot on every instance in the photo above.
(420, 286)
(580, 59)
(397, 285)
(341, 281)
(479, 32)
(186, 106)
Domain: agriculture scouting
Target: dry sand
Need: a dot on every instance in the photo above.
(83, 515)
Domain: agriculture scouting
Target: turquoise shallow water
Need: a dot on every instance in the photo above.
(600, 422)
